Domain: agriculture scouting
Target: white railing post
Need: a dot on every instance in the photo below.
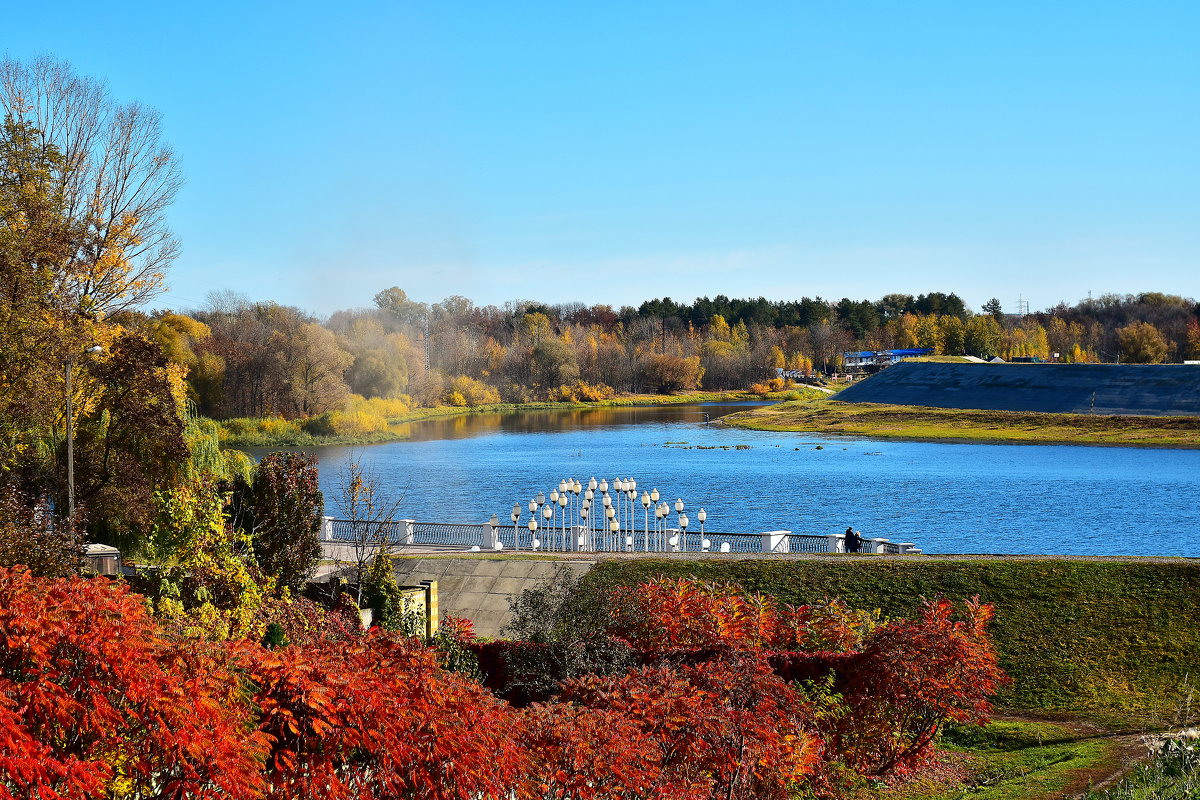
(877, 545)
(578, 539)
(327, 529)
(776, 542)
(408, 531)
(905, 547)
(837, 542)
(673, 533)
(491, 535)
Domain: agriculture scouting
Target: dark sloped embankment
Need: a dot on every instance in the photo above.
(1130, 389)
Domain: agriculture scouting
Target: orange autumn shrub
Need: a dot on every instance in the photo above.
(678, 613)
(377, 717)
(93, 698)
(729, 728)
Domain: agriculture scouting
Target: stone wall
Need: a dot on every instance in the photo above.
(478, 587)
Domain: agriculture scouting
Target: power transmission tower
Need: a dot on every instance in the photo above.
(1022, 306)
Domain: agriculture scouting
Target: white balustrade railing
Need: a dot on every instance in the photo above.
(490, 536)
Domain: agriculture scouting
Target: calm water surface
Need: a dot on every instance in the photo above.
(948, 498)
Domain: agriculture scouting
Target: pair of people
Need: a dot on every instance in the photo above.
(854, 541)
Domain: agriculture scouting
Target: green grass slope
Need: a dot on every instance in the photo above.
(1117, 638)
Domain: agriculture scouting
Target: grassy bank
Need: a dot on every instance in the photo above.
(1116, 638)
(245, 432)
(944, 424)
(1013, 760)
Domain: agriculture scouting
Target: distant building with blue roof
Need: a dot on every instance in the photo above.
(866, 359)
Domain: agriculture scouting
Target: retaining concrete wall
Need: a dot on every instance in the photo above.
(1134, 389)
(478, 588)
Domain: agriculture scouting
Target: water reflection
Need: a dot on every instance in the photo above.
(550, 420)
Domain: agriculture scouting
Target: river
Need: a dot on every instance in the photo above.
(947, 498)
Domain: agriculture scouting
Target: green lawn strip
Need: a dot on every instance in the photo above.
(1119, 639)
(918, 422)
(1014, 760)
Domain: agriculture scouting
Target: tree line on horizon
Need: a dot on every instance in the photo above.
(256, 359)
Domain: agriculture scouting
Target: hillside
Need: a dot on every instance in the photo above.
(1122, 389)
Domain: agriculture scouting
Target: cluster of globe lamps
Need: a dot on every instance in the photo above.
(612, 519)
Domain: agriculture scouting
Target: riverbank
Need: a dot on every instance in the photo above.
(247, 432)
(920, 423)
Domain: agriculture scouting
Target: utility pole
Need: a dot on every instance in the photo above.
(68, 368)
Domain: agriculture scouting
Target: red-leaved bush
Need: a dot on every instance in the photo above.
(92, 696)
(97, 701)
(582, 753)
(729, 728)
(914, 676)
(671, 613)
(377, 717)
(889, 687)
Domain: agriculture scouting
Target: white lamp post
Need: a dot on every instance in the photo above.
(631, 496)
(533, 543)
(701, 515)
(646, 519)
(683, 523)
(516, 517)
(562, 505)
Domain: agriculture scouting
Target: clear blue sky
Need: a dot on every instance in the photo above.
(616, 151)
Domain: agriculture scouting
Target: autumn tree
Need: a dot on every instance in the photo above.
(1193, 339)
(37, 340)
(722, 729)
(667, 614)
(206, 585)
(982, 336)
(954, 333)
(129, 438)
(929, 333)
(1142, 343)
(111, 183)
(283, 517)
(84, 184)
(31, 535)
(369, 513)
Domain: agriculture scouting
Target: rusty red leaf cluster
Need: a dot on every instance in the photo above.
(97, 701)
